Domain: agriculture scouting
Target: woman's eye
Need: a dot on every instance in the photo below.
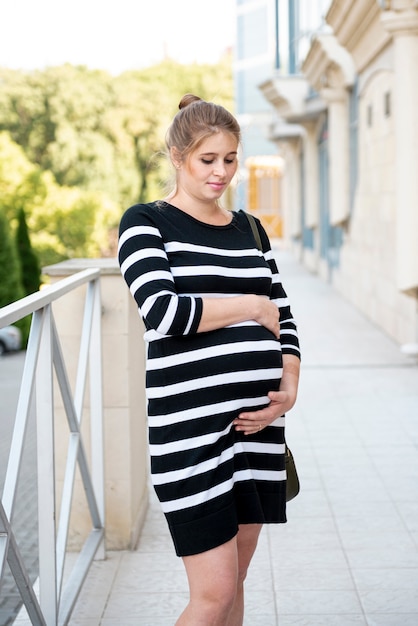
(211, 161)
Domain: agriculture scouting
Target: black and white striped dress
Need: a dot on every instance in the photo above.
(208, 477)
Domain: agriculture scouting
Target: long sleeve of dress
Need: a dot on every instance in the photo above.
(145, 267)
(288, 329)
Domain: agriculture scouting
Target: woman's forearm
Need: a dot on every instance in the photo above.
(221, 312)
(290, 376)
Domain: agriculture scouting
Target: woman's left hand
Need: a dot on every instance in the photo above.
(281, 401)
(252, 422)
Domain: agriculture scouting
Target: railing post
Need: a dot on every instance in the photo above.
(96, 408)
(46, 474)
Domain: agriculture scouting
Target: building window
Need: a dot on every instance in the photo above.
(369, 115)
(251, 34)
(388, 104)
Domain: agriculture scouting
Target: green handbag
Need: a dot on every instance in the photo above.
(292, 480)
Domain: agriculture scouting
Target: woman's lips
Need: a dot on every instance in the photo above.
(217, 186)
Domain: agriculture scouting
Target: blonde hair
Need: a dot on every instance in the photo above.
(196, 121)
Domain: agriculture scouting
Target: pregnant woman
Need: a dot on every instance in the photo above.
(222, 363)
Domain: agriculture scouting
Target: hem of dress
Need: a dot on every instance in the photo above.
(205, 533)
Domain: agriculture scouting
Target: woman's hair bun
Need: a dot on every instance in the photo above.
(187, 99)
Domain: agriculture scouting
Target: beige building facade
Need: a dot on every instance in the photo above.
(348, 132)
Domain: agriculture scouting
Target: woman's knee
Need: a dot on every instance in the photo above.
(213, 606)
(220, 594)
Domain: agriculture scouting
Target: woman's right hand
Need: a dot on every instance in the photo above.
(267, 314)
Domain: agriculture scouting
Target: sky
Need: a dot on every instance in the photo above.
(114, 35)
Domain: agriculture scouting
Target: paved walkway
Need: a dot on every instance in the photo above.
(349, 553)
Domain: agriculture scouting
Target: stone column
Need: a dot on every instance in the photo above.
(339, 152)
(311, 174)
(290, 150)
(402, 23)
(124, 410)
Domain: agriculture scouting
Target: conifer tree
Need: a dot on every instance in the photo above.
(29, 263)
(10, 277)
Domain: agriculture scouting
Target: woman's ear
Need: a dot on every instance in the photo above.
(175, 157)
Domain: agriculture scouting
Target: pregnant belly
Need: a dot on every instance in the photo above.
(228, 363)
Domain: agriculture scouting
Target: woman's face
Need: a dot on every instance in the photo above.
(207, 172)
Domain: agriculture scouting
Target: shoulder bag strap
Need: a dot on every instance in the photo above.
(255, 230)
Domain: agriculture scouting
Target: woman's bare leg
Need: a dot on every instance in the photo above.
(212, 577)
(247, 539)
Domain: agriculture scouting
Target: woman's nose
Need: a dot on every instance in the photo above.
(219, 168)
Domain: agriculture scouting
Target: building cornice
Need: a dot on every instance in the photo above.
(351, 19)
(328, 64)
(287, 94)
(356, 24)
(401, 22)
(281, 131)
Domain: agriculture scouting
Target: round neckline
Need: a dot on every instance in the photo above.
(197, 221)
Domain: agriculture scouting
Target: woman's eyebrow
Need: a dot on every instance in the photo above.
(216, 153)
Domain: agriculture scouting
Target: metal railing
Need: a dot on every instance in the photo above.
(54, 600)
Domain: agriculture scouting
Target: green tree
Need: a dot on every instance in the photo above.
(21, 182)
(72, 223)
(10, 276)
(29, 264)
(63, 221)
(104, 133)
(56, 115)
(81, 145)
